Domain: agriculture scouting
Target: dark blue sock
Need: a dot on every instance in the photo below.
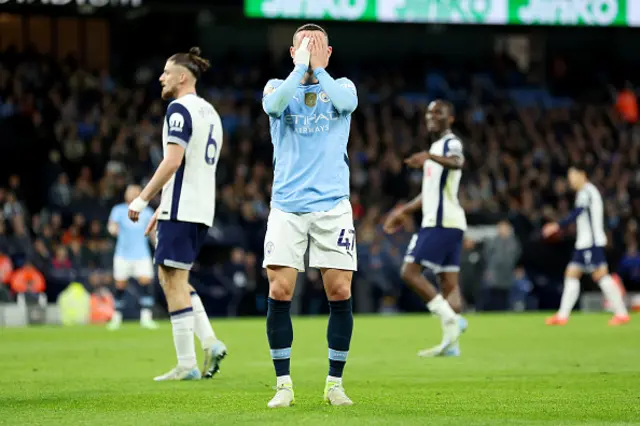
(146, 296)
(339, 335)
(280, 334)
(119, 299)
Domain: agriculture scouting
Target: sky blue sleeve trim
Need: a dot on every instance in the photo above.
(276, 102)
(343, 98)
(571, 217)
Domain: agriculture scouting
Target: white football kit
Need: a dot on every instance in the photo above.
(438, 244)
(187, 206)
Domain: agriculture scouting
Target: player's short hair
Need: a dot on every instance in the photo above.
(192, 61)
(311, 27)
(580, 166)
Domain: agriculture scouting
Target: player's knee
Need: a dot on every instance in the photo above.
(280, 288)
(340, 289)
(144, 281)
(409, 271)
(599, 273)
(572, 272)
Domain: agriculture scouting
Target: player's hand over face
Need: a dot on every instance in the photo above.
(549, 229)
(319, 51)
(152, 223)
(417, 160)
(394, 222)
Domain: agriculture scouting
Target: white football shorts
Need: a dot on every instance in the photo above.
(329, 235)
(124, 269)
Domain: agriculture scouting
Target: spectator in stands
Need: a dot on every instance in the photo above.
(61, 193)
(27, 279)
(471, 271)
(4, 240)
(61, 260)
(20, 241)
(627, 104)
(501, 255)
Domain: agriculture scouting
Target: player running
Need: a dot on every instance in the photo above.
(310, 116)
(589, 255)
(132, 259)
(192, 139)
(438, 244)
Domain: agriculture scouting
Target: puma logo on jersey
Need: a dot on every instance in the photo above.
(176, 122)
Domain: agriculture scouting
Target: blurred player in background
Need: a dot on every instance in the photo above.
(438, 244)
(589, 254)
(192, 139)
(132, 259)
(310, 117)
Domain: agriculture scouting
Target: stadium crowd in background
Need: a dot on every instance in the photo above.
(102, 132)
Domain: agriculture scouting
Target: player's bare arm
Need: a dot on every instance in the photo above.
(112, 227)
(417, 160)
(167, 168)
(397, 217)
(343, 95)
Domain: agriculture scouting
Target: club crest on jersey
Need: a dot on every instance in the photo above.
(310, 99)
(176, 122)
(323, 97)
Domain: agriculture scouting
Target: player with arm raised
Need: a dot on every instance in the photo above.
(438, 244)
(192, 139)
(589, 255)
(310, 117)
(132, 259)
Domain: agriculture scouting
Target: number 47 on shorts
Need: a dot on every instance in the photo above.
(347, 239)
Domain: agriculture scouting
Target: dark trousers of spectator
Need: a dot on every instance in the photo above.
(496, 299)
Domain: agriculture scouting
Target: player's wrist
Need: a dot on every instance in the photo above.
(138, 204)
(318, 70)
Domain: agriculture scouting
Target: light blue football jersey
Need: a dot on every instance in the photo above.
(310, 126)
(131, 243)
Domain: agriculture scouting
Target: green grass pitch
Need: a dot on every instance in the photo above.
(514, 370)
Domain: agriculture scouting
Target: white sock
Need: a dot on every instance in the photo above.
(333, 379)
(613, 295)
(202, 325)
(570, 295)
(441, 308)
(283, 380)
(182, 325)
(146, 315)
(116, 317)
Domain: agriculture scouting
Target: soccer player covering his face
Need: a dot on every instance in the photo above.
(310, 117)
(438, 244)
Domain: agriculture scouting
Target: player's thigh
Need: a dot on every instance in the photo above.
(332, 238)
(282, 282)
(143, 271)
(286, 239)
(337, 283)
(122, 270)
